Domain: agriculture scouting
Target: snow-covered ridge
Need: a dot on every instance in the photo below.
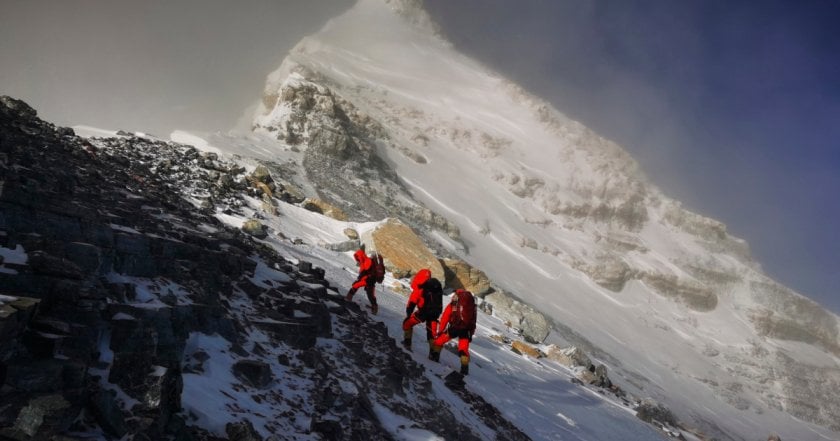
(565, 219)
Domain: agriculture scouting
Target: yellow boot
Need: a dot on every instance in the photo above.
(465, 364)
(407, 333)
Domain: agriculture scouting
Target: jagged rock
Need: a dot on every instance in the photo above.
(525, 349)
(774, 437)
(242, 431)
(351, 234)
(289, 192)
(254, 373)
(322, 207)
(41, 376)
(18, 107)
(601, 377)
(261, 174)
(45, 416)
(534, 326)
(43, 263)
(570, 357)
(87, 257)
(692, 294)
(343, 247)
(108, 413)
(460, 274)
(254, 228)
(586, 376)
(649, 410)
(15, 314)
(297, 333)
(403, 249)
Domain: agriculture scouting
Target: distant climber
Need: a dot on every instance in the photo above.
(366, 279)
(427, 297)
(458, 320)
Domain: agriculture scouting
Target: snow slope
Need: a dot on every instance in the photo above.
(546, 404)
(547, 208)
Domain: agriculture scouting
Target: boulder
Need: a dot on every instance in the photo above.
(254, 228)
(403, 249)
(570, 357)
(525, 349)
(253, 373)
(242, 431)
(649, 410)
(533, 325)
(586, 376)
(351, 233)
(288, 192)
(260, 174)
(460, 274)
(325, 208)
(45, 416)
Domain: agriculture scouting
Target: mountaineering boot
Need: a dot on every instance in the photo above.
(434, 353)
(465, 365)
(374, 308)
(349, 296)
(407, 338)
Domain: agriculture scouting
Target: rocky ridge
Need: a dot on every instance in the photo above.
(127, 270)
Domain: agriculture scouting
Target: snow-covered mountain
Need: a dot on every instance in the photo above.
(133, 306)
(558, 217)
(139, 301)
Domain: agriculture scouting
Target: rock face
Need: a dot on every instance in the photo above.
(460, 274)
(533, 325)
(339, 142)
(403, 250)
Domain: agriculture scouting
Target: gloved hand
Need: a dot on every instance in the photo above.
(469, 336)
(409, 309)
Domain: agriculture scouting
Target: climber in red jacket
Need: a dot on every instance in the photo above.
(364, 280)
(458, 320)
(426, 297)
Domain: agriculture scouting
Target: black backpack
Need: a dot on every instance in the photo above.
(432, 299)
(377, 268)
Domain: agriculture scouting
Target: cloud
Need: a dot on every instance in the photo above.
(727, 107)
(153, 65)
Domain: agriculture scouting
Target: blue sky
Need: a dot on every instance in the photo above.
(731, 107)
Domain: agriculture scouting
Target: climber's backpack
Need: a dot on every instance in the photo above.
(378, 267)
(463, 312)
(432, 299)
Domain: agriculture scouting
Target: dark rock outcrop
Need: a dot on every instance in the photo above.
(126, 262)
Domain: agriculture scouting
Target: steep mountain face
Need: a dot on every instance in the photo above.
(128, 310)
(554, 215)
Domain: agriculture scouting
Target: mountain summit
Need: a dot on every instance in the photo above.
(556, 216)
